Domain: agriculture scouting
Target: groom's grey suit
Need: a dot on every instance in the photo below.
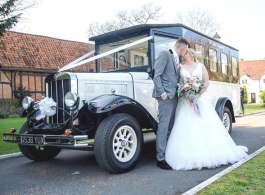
(165, 77)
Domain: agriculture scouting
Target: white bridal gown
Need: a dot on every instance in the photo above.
(198, 141)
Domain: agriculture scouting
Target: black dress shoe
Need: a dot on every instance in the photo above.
(163, 165)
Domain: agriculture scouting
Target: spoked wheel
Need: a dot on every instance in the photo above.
(118, 143)
(124, 143)
(227, 120)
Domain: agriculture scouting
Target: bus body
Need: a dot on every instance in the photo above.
(109, 108)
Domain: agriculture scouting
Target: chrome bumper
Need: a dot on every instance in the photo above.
(63, 141)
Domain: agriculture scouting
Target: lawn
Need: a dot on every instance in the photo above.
(247, 179)
(253, 108)
(5, 124)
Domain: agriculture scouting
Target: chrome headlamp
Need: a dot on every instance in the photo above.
(26, 102)
(71, 99)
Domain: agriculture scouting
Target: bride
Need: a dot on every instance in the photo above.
(198, 141)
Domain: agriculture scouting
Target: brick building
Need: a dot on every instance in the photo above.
(25, 61)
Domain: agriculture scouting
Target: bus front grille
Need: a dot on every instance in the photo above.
(56, 89)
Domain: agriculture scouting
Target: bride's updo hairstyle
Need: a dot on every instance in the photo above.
(193, 54)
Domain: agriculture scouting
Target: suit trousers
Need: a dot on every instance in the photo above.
(167, 109)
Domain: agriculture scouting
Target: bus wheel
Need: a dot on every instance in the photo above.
(118, 143)
(37, 153)
(227, 120)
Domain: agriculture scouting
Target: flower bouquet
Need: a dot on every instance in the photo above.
(188, 89)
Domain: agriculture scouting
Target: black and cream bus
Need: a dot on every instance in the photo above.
(220, 59)
(109, 108)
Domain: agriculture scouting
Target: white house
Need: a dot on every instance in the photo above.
(252, 75)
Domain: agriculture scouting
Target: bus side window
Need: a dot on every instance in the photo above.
(224, 61)
(234, 67)
(213, 60)
(200, 53)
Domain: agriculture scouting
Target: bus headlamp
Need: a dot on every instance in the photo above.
(26, 102)
(71, 99)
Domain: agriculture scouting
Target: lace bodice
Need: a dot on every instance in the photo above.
(196, 72)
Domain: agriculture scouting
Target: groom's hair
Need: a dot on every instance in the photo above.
(182, 41)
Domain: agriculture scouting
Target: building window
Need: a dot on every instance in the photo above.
(213, 60)
(234, 67)
(200, 52)
(244, 81)
(224, 61)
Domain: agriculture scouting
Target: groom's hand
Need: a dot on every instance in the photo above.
(164, 96)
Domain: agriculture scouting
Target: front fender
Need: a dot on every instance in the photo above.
(122, 104)
(106, 103)
(221, 104)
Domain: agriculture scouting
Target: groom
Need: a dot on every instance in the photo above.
(166, 77)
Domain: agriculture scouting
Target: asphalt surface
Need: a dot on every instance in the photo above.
(77, 172)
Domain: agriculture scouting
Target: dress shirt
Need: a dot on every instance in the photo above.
(176, 56)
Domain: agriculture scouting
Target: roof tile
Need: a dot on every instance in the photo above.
(22, 51)
(254, 69)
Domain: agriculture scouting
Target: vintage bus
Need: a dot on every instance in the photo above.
(108, 109)
(220, 59)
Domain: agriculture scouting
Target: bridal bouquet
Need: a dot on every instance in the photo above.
(188, 89)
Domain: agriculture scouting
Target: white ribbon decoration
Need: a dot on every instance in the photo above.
(71, 65)
(45, 108)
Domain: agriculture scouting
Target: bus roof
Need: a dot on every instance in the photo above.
(144, 28)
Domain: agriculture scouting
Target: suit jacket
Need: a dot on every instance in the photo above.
(165, 75)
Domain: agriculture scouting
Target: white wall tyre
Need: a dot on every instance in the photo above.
(118, 143)
(36, 153)
(227, 120)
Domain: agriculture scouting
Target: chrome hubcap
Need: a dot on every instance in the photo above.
(226, 121)
(124, 143)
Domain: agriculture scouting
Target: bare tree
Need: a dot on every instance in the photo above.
(200, 20)
(126, 18)
(11, 12)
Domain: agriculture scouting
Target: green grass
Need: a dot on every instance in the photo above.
(253, 108)
(5, 124)
(248, 179)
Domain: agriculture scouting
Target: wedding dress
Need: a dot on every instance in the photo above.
(198, 141)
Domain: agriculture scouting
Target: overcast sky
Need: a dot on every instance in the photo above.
(243, 21)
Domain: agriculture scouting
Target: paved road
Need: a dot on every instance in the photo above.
(76, 172)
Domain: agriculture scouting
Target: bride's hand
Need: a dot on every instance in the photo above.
(198, 96)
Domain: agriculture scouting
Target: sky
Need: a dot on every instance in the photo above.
(243, 21)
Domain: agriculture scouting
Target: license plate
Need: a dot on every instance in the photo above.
(32, 140)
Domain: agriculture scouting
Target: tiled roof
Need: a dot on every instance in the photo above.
(254, 69)
(22, 51)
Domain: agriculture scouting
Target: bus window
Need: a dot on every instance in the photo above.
(130, 57)
(213, 60)
(163, 43)
(224, 61)
(200, 52)
(234, 67)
